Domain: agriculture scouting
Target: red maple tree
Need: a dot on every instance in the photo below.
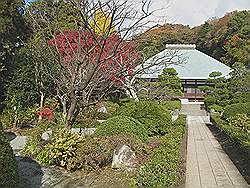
(46, 112)
(91, 65)
(114, 57)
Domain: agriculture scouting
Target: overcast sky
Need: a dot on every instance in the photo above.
(193, 12)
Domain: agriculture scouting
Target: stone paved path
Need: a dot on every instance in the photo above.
(207, 164)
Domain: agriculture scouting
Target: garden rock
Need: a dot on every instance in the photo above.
(102, 109)
(101, 121)
(175, 115)
(18, 143)
(46, 135)
(124, 158)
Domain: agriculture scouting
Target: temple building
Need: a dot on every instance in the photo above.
(193, 68)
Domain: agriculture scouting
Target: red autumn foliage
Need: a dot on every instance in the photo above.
(46, 113)
(115, 57)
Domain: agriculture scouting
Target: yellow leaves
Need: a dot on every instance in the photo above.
(102, 24)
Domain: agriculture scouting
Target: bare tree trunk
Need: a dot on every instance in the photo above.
(131, 93)
(73, 111)
(41, 105)
(130, 89)
(14, 125)
(134, 94)
(64, 105)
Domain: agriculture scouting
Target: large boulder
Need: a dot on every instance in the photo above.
(124, 157)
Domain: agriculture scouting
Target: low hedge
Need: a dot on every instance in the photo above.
(153, 116)
(8, 164)
(236, 133)
(163, 168)
(234, 109)
(122, 124)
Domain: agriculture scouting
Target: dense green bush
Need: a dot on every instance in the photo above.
(179, 123)
(234, 129)
(234, 109)
(20, 117)
(163, 168)
(155, 117)
(61, 149)
(111, 107)
(241, 98)
(216, 108)
(209, 100)
(8, 164)
(240, 121)
(171, 105)
(122, 124)
(33, 146)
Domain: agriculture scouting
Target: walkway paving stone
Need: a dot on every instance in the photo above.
(208, 166)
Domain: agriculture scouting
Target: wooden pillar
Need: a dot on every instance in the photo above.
(195, 90)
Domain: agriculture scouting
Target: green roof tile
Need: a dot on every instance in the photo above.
(197, 65)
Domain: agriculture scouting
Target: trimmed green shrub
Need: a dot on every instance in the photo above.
(216, 108)
(241, 98)
(122, 124)
(180, 122)
(171, 105)
(8, 164)
(111, 106)
(234, 109)
(234, 128)
(163, 168)
(155, 117)
(209, 100)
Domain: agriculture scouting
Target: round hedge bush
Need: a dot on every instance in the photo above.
(122, 124)
(234, 109)
(155, 117)
(8, 164)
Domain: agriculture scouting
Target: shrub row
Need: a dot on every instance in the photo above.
(154, 117)
(234, 109)
(163, 168)
(8, 164)
(237, 128)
